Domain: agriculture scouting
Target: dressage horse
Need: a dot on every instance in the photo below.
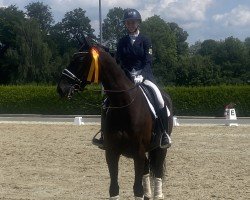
(129, 124)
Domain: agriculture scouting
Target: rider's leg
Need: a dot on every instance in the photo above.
(165, 140)
(163, 114)
(100, 142)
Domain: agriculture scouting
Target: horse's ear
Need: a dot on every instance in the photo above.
(87, 42)
(84, 43)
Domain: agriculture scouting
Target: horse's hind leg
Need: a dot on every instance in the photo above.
(157, 163)
(112, 159)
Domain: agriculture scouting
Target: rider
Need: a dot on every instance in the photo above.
(134, 54)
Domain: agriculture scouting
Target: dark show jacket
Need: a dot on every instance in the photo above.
(136, 55)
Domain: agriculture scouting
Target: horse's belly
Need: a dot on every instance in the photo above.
(126, 144)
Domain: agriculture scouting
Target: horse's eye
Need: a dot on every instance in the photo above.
(81, 59)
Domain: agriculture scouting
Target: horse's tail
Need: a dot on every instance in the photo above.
(157, 163)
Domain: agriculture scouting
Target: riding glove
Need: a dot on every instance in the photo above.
(138, 79)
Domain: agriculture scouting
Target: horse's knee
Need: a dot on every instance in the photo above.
(146, 167)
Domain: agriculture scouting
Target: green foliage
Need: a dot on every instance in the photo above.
(209, 101)
(200, 101)
(75, 23)
(231, 57)
(45, 100)
(181, 37)
(34, 63)
(196, 71)
(164, 47)
(32, 50)
(113, 28)
(41, 13)
(10, 21)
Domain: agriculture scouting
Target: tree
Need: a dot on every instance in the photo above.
(75, 24)
(59, 40)
(164, 47)
(28, 57)
(195, 48)
(63, 38)
(208, 48)
(113, 28)
(34, 54)
(247, 75)
(247, 42)
(196, 70)
(10, 21)
(181, 37)
(41, 13)
(232, 57)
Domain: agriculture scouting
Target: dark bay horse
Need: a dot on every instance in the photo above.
(129, 124)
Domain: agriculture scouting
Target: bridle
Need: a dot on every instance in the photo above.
(78, 82)
(78, 85)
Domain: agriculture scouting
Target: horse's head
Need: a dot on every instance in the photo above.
(83, 69)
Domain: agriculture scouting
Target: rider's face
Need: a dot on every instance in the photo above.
(131, 25)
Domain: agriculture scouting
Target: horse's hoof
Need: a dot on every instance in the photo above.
(114, 198)
(159, 197)
(147, 197)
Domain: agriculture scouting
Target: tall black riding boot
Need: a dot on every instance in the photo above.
(165, 140)
(100, 142)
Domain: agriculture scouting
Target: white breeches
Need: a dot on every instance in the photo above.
(156, 92)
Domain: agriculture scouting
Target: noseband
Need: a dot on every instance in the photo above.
(70, 75)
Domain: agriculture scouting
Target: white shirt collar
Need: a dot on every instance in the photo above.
(134, 35)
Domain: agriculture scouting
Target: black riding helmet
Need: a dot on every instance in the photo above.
(132, 14)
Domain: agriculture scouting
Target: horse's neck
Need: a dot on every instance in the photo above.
(114, 79)
(112, 76)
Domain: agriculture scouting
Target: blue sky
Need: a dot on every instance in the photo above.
(202, 19)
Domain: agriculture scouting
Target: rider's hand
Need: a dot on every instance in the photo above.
(138, 79)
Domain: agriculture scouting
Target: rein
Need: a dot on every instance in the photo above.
(70, 75)
(115, 91)
(126, 105)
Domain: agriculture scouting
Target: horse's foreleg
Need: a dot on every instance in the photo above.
(146, 181)
(139, 161)
(112, 159)
(146, 186)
